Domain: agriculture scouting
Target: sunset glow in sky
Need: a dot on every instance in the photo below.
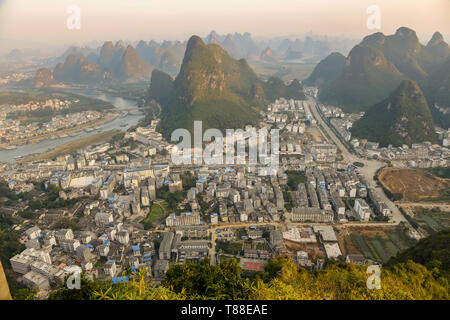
(177, 19)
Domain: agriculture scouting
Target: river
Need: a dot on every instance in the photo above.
(122, 123)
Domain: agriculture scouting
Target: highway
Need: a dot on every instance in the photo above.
(367, 171)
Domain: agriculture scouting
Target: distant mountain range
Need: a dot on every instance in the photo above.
(215, 88)
(375, 67)
(167, 56)
(115, 62)
(403, 118)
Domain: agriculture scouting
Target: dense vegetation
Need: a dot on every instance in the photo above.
(222, 92)
(282, 279)
(376, 66)
(295, 178)
(366, 79)
(9, 246)
(433, 252)
(403, 118)
(9, 239)
(437, 91)
(326, 70)
(275, 88)
(161, 85)
(420, 272)
(441, 172)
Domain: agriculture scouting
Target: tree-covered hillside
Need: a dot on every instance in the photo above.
(282, 279)
(433, 252)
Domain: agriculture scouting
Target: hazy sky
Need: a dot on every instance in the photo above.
(45, 20)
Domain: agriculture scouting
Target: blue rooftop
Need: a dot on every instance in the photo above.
(123, 279)
(136, 248)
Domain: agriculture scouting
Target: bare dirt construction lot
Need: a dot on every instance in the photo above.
(413, 184)
(313, 249)
(315, 134)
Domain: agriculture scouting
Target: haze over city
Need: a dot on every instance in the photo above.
(44, 21)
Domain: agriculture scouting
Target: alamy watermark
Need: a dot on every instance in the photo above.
(221, 150)
(74, 281)
(374, 280)
(373, 21)
(74, 20)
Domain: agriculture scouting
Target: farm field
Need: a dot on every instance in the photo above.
(431, 220)
(381, 245)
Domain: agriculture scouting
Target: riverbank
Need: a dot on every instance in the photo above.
(72, 146)
(130, 115)
(108, 117)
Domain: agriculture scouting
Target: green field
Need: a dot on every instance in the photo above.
(379, 248)
(432, 220)
(158, 211)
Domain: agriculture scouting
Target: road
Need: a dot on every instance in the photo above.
(367, 171)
